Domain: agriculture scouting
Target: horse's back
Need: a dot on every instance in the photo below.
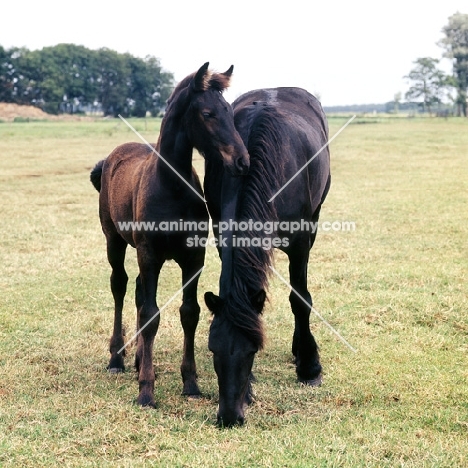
(126, 160)
(133, 190)
(121, 172)
(288, 99)
(301, 127)
(298, 109)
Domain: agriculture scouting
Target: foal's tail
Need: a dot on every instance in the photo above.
(95, 175)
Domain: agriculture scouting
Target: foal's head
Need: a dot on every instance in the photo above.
(208, 120)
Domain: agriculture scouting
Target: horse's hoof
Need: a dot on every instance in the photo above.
(114, 370)
(192, 397)
(312, 382)
(116, 362)
(149, 406)
(146, 403)
(191, 390)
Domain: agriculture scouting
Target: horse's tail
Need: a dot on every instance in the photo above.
(95, 175)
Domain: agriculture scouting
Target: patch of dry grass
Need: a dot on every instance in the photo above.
(395, 288)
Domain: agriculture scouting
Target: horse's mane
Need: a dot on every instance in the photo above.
(219, 81)
(180, 86)
(250, 265)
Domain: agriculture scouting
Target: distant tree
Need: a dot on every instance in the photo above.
(27, 77)
(78, 78)
(396, 102)
(161, 85)
(7, 77)
(50, 77)
(455, 44)
(428, 83)
(67, 77)
(138, 87)
(149, 86)
(112, 76)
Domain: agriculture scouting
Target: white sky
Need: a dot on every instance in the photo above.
(350, 52)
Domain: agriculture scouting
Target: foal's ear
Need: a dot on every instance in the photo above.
(201, 79)
(258, 300)
(228, 72)
(221, 81)
(213, 302)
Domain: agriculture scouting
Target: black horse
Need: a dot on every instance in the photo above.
(283, 129)
(136, 185)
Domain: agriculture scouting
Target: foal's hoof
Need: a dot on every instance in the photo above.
(192, 397)
(146, 402)
(191, 390)
(116, 364)
(312, 382)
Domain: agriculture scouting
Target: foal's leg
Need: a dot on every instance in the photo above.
(138, 303)
(189, 316)
(148, 324)
(116, 248)
(304, 347)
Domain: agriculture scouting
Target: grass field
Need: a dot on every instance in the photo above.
(395, 288)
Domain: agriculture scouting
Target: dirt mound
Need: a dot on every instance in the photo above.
(9, 111)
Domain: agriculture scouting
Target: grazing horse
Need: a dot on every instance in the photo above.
(140, 185)
(283, 129)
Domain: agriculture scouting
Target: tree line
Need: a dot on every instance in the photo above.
(73, 78)
(430, 85)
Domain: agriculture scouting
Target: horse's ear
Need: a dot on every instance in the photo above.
(228, 72)
(213, 302)
(258, 300)
(221, 81)
(202, 78)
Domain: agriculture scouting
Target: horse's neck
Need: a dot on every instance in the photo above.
(213, 185)
(176, 149)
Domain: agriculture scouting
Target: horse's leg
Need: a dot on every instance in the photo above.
(304, 347)
(148, 323)
(138, 303)
(116, 248)
(189, 316)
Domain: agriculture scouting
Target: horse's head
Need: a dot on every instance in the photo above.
(209, 121)
(234, 346)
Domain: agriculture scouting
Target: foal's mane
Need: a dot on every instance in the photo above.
(250, 265)
(177, 90)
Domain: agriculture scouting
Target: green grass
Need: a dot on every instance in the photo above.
(395, 288)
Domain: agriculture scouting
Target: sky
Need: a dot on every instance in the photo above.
(345, 52)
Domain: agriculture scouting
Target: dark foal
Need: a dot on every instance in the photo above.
(136, 185)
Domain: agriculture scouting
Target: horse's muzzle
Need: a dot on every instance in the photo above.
(230, 420)
(242, 165)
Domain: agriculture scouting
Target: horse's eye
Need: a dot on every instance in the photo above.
(207, 115)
